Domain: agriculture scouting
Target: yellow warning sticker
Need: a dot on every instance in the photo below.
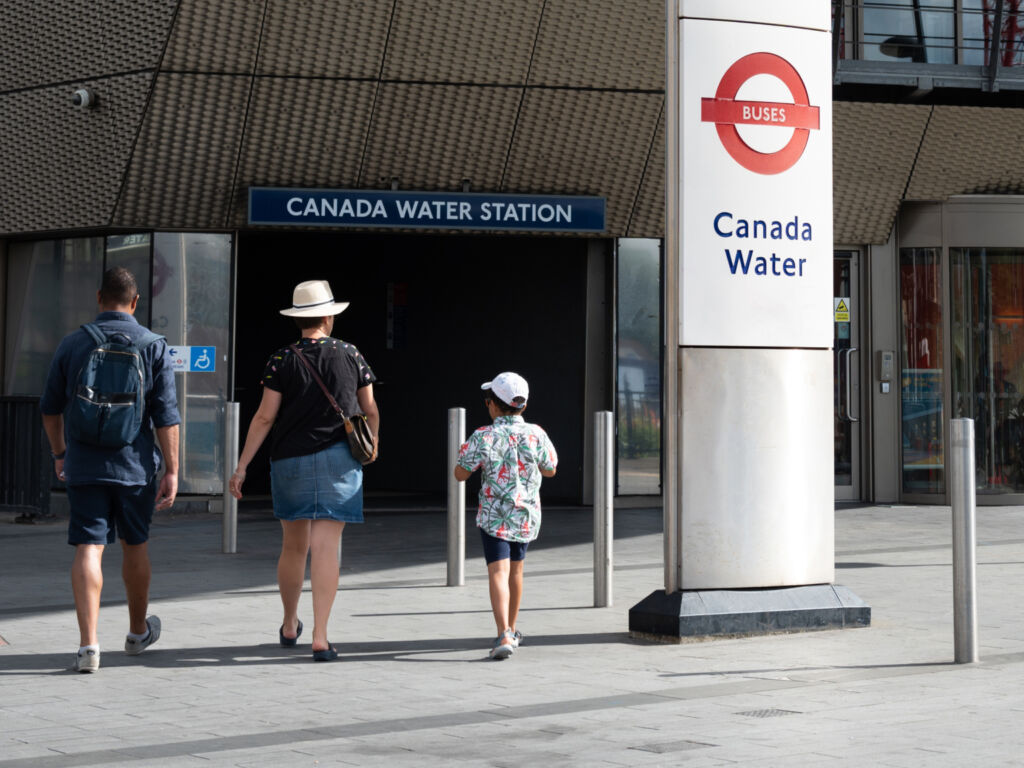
(841, 307)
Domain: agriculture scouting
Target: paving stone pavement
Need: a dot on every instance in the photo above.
(413, 685)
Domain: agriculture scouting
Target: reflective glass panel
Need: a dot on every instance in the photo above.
(132, 253)
(988, 360)
(979, 18)
(908, 30)
(638, 366)
(51, 290)
(921, 375)
(192, 308)
(842, 295)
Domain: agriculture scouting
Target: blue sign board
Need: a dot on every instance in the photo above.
(425, 210)
(193, 359)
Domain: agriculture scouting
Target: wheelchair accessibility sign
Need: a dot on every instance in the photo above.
(193, 359)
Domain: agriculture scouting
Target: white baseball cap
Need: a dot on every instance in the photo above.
(510, 388)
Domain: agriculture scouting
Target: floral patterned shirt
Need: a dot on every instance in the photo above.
(510, 454)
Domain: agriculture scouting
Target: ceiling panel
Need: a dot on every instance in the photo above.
(215, 36)
(873, 150)
(584, 142)
(648, 219)
(303, 133)
(183, 165)
(601, 44)
(462, 41)
(325, 38)
(63, 165)
(970, 150)
(53, 42)
(431, 137)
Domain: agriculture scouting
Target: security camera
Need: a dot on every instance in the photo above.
(83, 98)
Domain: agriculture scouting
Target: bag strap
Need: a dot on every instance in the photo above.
(96, 333)
(316, 377)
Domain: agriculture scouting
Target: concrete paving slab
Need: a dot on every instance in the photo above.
(414, 686)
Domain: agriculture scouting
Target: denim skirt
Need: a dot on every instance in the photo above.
(327, 485)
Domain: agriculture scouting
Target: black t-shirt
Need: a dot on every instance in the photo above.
(306, 422)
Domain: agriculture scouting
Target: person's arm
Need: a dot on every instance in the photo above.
(168, 439)
(548, 472)
(462, 474)
(368, 405)
(259, 428)
(53, 425)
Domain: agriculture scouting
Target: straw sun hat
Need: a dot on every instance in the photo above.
(313, 298)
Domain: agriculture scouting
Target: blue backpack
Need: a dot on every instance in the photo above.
(110, 395)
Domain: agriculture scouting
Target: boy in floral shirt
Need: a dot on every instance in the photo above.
(512, 456)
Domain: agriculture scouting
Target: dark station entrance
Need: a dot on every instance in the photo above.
(434, 316)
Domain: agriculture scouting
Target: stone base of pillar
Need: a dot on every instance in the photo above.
(731, 612)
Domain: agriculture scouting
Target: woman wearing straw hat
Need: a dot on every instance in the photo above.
(316, 484)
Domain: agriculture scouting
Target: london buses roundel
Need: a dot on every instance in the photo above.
(726, 113)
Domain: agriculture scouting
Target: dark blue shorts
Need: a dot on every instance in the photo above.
(98, 511)
(498, 549)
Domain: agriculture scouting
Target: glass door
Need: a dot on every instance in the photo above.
(846, 374)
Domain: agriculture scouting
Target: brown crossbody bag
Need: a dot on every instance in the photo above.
(357, 429)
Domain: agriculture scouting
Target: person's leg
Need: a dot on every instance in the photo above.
(86, 585)
(497, 577)
(323, 575)
(291, 571)
(136, 572)
(515, 591)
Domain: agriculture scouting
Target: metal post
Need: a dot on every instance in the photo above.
(670, 481)
(604, 497)
(229, 523)
(456, 500)
(962, 494)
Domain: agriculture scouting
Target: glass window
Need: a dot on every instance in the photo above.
(638, 366)
(921, 379)
(988, 360)
(909, 30)
(132, 253)
(192, 307)
(51, 290)
(978, 22)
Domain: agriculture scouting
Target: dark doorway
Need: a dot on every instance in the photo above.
(434, 316)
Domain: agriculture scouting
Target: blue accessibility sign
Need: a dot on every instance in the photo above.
(193, 359)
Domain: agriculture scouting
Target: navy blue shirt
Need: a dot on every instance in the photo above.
(134, 464)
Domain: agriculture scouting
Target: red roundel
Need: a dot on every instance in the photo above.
(726, 112)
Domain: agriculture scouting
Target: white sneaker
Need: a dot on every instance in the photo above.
(504, 646)
(134, 646)
(88, 660)
(517, 638)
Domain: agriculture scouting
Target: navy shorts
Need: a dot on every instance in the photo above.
(498, 549)
(100, 511)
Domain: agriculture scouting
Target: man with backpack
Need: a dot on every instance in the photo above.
(110, 388)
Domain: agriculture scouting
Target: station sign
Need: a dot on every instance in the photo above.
(466, 211)
(755, 176)
(193, 359)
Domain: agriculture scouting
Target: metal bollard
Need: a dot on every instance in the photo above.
(962, 488)
(229, 523)
(456, 500)
(604, 498)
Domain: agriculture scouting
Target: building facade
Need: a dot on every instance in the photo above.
(134, 133)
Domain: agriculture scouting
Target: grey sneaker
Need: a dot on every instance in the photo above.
(133, 646)
(88, 660)
(504, 646)
(517, 638)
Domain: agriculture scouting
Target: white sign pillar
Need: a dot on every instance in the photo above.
(755, 440)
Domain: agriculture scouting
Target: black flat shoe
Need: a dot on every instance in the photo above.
(327, 654)
(289, 642)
